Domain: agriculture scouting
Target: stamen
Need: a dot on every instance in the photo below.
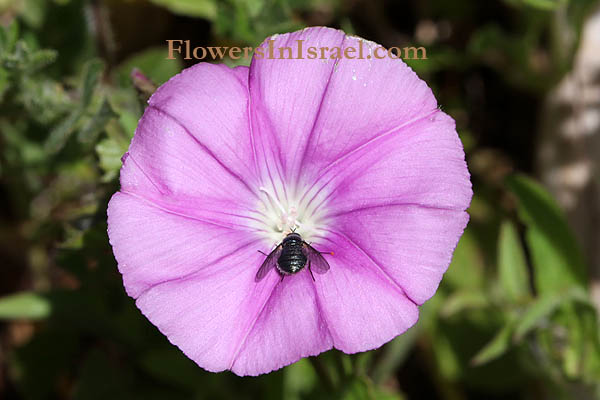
(272, 198)
(287, 218)
(283, 217)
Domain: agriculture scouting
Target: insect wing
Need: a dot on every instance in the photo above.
(268, 264)
(318, 263)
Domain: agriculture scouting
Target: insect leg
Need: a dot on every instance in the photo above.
(282, 276)
(264, 254)
(310, 270)
(322, 252)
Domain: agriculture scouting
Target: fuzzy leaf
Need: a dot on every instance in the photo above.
(90, 131)
(59, 136)
(91, 77)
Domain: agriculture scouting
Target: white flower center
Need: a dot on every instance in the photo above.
(282, 214)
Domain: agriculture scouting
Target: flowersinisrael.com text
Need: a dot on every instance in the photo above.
(300, 50)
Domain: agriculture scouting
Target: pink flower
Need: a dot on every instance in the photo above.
(354, 153)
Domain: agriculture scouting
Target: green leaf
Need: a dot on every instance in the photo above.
(33, 12)
(41, 58)
(545, 4)
(464, 300)
(91, 77)
(543, 307)
(362, 388)
(466, 269)
(357, 390)
(27, 305)
(556, 257)
(8, 38)
(512, 265)
(4, 83)
(573, 351)
(496, 347)
(128, 122)
(447, 359)
(90, 131)
(591, 343)
(539, 310)
(59, 136)
(110, 152)
(299, 380)
(191, 8)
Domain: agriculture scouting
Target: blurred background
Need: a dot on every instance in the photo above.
(516, 316)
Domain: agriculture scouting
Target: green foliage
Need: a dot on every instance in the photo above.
(498, 346)
(512, 264)
(193, 8)
(152, 62)
(28, 305)
(540, 4)
(555, 254)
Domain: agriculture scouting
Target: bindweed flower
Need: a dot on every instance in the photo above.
(352, 154)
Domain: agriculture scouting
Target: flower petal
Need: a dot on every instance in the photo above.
(338, 104)
(412, 244)
(153, 245)
(362, 305)
(165, 159)
(422, 164)
(286, 96)
(289, 327)
(210, 102)
(208, 314)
